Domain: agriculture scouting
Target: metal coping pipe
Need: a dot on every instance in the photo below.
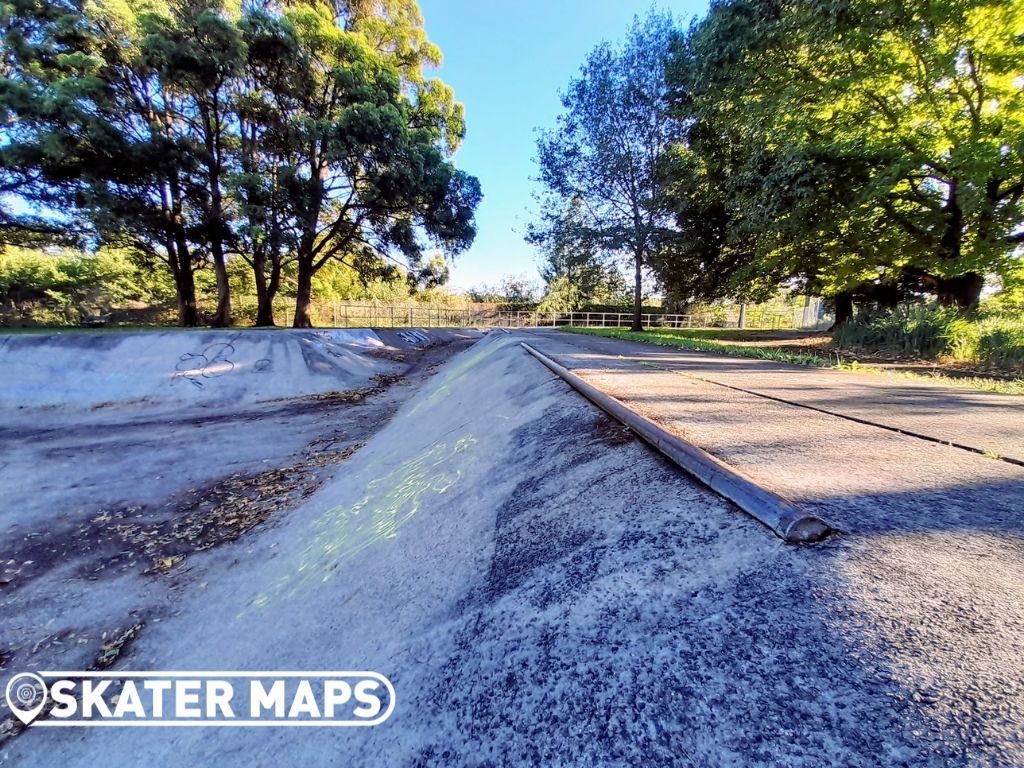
(787, 521)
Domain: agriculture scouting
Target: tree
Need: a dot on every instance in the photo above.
(362, 148)
(871, 145)
(605, 149)
(934, 98)
(513, 291)
(197, 51)
(574, 272)
(103, 133)
(201, 130)
(26, 29)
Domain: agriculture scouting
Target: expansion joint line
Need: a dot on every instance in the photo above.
(846, 416)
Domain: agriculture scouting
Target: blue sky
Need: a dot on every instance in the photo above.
(507, 62)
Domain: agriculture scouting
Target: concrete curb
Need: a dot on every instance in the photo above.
(787, 521)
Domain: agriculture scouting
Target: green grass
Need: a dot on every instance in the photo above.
(712, 334)
(689, 339)
(999, 386)
(932, 332)
(686, 339)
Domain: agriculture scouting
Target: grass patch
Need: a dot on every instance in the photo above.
(685, 339)
(999, 386)
(934, 332)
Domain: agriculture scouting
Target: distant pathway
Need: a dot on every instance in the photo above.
(982, 421)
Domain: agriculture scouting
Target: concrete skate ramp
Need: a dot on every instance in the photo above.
(179, 368)
(544, 590)
(538, 587)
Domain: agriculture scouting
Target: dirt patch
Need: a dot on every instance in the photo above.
(111, 651)
(611, 432)
(157, 539)
(390, 353)
(221, 512)
(381, 382)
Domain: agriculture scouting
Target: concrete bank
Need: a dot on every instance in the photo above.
(162, 369)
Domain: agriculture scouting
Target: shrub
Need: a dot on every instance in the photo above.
(57, 287)
(933, 332)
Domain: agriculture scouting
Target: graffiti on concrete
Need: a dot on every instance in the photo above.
(213, 361)
(414, 337)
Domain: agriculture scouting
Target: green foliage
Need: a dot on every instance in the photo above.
(833, 145)
(599, 165)
(371, 174)
(916, 329)
(59, 286)
(1009, 300)
(300, 133)
(514, 292)
(686, 340)
(562, 296)
(936, 332)
(576, 274)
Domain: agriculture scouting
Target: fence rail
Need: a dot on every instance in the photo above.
(347, 314)
(753, 320)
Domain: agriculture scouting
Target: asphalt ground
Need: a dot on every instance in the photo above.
(982, 421)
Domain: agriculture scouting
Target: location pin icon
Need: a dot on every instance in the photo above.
(26, 696)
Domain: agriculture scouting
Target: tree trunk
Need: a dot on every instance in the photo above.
(638, 296)
(185, 284)
(264, 298)
(844, 309)
(742, 322)
(184, 277)
(185, 287)
(222, 319)
(188, 311)
(962, 291)
(304, 294)
(216, 229)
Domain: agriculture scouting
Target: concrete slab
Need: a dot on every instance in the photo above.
(184, 368)
(985, 421)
